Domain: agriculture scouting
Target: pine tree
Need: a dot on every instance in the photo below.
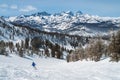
(27, 43)
(21, 52)
(11, 46)
(68, 58)
(80, 53)
(2, 48)
(17, 46)
(114, 47)
(58, 52)
(99, 49)
(95, 50)
(47, 52)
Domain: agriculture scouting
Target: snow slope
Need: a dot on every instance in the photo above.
(16, 68)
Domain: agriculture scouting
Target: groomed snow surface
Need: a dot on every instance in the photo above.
(17, 68)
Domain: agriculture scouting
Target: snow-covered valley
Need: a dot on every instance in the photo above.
(17, 68)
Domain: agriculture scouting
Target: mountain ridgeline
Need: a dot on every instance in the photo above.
(68, 23)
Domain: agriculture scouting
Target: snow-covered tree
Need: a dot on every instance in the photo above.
(114, 47)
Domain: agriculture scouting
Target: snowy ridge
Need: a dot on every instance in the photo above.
(16, 68)
(7, 31)
(64, 22)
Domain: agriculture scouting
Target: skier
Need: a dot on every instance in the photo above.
(34, 65)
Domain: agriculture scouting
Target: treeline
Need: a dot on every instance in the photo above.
(4, 46)
(42, 48)
(98, 49)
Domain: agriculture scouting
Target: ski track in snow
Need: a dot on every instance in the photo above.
(16, 68)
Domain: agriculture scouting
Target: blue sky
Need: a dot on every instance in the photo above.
(93, 7)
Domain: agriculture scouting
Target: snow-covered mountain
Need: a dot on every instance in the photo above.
(9, 32)
(16, 33)
(69, 23)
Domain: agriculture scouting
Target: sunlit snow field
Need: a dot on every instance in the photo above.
(17, 68)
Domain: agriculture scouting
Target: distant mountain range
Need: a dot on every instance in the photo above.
(68, 23)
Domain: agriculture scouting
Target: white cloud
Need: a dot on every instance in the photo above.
(3, 5)
(28, 9)
(14, 7)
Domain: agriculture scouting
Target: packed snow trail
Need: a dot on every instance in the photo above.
(17, 68)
